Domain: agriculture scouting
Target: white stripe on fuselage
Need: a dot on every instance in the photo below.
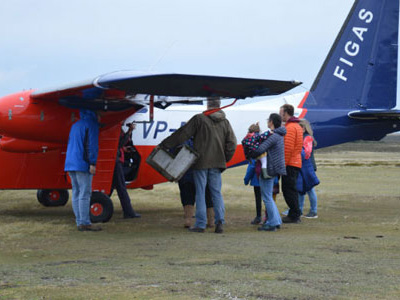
(240, 116)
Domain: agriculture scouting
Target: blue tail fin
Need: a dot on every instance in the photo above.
(360, 71)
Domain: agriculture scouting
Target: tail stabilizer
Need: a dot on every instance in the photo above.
(360, 71)
(391, 114)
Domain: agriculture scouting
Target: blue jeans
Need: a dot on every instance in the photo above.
(313, 201)
(213, 178)
(267, 186)
(81, 192)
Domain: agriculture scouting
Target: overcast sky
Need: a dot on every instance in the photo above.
(46, 43)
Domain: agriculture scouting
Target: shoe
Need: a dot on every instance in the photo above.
(267, 228)
(219, 228)
(88, 228)
(188, 214)
(285, 213)
(311, 215)
(264, 173)
(256, 221)
(290, 220)
(135, 215)
(196, 229)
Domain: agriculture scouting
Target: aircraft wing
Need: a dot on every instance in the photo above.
(125, 85)
(181, 85)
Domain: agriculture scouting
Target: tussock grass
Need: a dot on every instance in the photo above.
(350, 252)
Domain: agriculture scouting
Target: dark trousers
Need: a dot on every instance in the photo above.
(187, 192)
(290, 193)
(119, 185)
(257, 194)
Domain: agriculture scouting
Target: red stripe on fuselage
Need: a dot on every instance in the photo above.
(304, 110)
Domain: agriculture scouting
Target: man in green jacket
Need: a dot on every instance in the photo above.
(215, 142)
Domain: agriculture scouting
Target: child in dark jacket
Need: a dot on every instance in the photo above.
(252, 178)
(252, 141)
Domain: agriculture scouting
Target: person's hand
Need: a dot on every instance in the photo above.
(92, 169)
(246, 182)
(132, 127)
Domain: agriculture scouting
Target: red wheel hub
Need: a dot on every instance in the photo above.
(54, 195)
(96, 209)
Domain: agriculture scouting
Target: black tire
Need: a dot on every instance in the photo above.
(52, 197)
(101, 208)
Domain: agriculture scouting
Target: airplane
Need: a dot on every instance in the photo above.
(352, 98)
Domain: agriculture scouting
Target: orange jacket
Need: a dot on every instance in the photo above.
(293, 143)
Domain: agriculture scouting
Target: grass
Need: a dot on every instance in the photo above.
(350, 252)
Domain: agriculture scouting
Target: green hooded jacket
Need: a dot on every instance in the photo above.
(213, 139)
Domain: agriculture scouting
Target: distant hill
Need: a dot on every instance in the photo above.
(390, 143)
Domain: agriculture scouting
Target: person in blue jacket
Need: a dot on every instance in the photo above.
(80, 163)
(252, 178)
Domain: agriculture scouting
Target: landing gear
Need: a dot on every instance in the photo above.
(52, 197)
(101, 208)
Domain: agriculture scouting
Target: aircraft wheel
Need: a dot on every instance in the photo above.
(101, 208)
(52, 197)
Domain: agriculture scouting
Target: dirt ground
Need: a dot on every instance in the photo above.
(350, 252)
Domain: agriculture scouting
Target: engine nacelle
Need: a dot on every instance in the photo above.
(23, 118)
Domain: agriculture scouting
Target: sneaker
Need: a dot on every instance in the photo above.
(256, 221)
(290, 220)
(311, 215)
(267, 228)
(285, 213)
(88, 228)
(219, 228)
(132, 216)
(196, 229)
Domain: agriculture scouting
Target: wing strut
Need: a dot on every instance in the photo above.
(211, 111)
(151, 111)
(151, 108)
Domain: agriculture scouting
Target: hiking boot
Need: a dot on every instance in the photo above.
(219, 228)
(311, 215)
(256, 221)
(210, 217)
(188, 214)
(88, 228)
(196, 229)
(290, 220)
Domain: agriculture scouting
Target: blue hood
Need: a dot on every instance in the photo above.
(87, 114)
(83, 143)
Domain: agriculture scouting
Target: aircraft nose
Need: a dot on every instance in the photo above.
(4, 104)
(7, 105)
(2, 116)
